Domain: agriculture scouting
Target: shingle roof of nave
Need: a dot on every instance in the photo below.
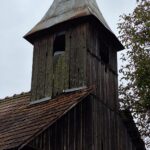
(20, 121)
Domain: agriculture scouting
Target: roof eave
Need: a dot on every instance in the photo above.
(30, 36)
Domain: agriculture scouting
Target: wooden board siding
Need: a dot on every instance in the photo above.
(76, 121)
(29, 120)
(49, 72)
(42, 68)
(77, 55)
(49, 66)
(91, 125)
(70, 70)
(34, 72)
(103, 75)
(123, 137)
(94, 124)
(81, 64)
(71, 132)
(60, 74)
(53, 74)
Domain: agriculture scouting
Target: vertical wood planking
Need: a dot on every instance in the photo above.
(49, 66)
(88, 126)
(77, 56)
(60, 74)
(34, 71)
(41, 69)
(94, 123)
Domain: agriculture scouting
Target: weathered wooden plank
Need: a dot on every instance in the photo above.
(41, 69)
(88, 123)
(78, 130)
(60, 74)
(49, 66)
(93, 124)
(77, 56)
(79, 127)
(35, 71)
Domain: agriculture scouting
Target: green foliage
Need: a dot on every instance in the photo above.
(134, 89)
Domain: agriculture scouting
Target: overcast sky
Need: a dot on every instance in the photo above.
(17, 17)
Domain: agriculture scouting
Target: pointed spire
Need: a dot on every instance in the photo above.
(64, 10)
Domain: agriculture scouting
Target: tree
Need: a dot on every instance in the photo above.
(134, 88)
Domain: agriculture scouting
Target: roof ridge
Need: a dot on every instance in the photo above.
(14, 96)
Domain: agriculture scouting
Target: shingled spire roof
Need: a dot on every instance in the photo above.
(64, 10)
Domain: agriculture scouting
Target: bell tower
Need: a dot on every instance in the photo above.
(74, 47)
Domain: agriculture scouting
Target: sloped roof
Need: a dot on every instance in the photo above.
(67, 10)
(64, 10)
(20, 121)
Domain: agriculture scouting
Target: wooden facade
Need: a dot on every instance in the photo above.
(72, 52)
(90, 58)
(91, 125)
(53, 74)
(76, 120)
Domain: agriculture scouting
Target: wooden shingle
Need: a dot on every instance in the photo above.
(20, 121)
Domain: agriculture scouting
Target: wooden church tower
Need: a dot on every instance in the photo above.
(73, 103)
(75, 48)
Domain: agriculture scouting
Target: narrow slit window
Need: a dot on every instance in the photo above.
(59, 45)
